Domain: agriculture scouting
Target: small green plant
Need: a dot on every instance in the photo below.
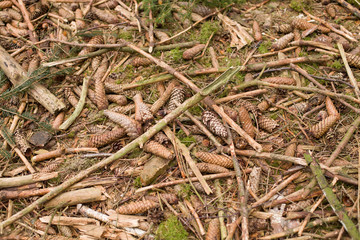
(160, 9)
(264, 47)
(171, 229)
(336, 64)
(137, 182)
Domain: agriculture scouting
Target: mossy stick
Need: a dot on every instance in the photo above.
(79, 106)
(125, 150)
(334, 202)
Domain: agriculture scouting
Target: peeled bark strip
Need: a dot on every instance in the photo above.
(17, 76)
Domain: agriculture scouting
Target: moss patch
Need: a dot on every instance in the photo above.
(171, 229)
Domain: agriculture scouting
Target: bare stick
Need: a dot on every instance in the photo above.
(15, 120)
(163, 98)
(241, 95)
(125, 150)
(196, 216)
(348, 69)
(350, 7)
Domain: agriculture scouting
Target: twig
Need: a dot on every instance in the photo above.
(332, 199)
(241, 95)
(350, 7)
(348, 69)
(125, 150)
(79, 106)
(196, 216)
(274, 53)
(219, 195)
(163, 98)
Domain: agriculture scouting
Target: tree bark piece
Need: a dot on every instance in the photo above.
(27, 179)
(17, 76)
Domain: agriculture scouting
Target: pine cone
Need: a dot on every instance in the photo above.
(192, 52)
(140, 61)
(52, 166)
(177, 96)
(264, 105)
(106, 138)
(267, 123)
(322, 127)
(214, 124)
(22, 143)
(353, 60)
(202, 10)
(161, 138)
(158, 150)
(5, 17)
(5, 4)
(65, 230)
(233, 114)
(280, 80)
(249, 106)
(113, 87)
(43, 227)
(302, 24)
(119, 99)
(100, 95)
(213, 232)
(70, 96)
(169, 197)
(132, 128)
(290, 150)
(220, 160)
(246, 122)
(283, 41)
(254, 179)
(283, 28)
(137, 207)
(257, 31)
(299, 107)
(257, 224)
(330, 107)
(210, 168)
(142, 111)
(105, 15)
(331, 10)
(95, 40)
(124, 109)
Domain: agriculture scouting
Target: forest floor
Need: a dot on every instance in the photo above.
(179, 120)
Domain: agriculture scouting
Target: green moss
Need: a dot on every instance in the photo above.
(135, 153)
(126, 35)
(299, 5)
(175, 54)
(207, 28)
(188, 140)
(171, 229)
(264, 47)
(196, 110)
(137, 182)
(311, 69)
(336, 64)
(185, 191)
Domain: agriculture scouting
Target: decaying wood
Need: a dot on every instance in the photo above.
(27, 179)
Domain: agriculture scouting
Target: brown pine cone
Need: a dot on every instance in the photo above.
(22, 143)
(169, 197)
(330, 107)
(283, 41)
(113, 87)
(137, 207)
(302, 24)
(264, 105)
(249, 106)
(257, 31)
(140, 61)
(65, 230)
(177, 96)
(283, 28)
(353, 60)
(331, 10)
(95, 40)
(280, 80)
(5, 4)
(121, 100)
(161, 138)
(70, 96)
(202, 10)
(106, 138)
(257, 224)
(299, 206)
(105, 15)
(213, 232)
(246, 122)
(214, 124)
(192, 52)
(43, 227)
(124, 109)
(158, 150)
(220, 160)
(142, 111)
(132, 127)
(267, 123)
(52, 166)
(323, 126)
(340, 39)
(210, 168)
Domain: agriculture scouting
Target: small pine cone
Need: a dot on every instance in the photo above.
(169, 197)
(142, 111)
(137, 207)
(280, 80)
(210, 168)
(119, 99)
(254, 179)
(290, 150)
(113, 87)
(70, 96)
(220, 160)
(299, 206)
(340, 39)
(5, 16)
(267, 123)
(52, 166)
(132, 127)
(43, 226)
(249, 106)
(322, 127)
(140, 61)
(100, 95)
(192, 52)
(299, 107)
(302, 24)
(353, 60)
(158, 150)
(65, 230)
(161, 138)
(177, 96)
(80, 23)
(106, 138)
(99, 39)
(264, 105)
(283, 41)
(213, 232)
(105, 15)
(5, 4)
(246, 122)
(202, 10)
(233, 114)
(162, 36)
(22, 143)
(240, 142)
(283, 28)
(330, 107)
(331, 10)
(124, 109)
(257, 224)
(214, 124)
(257, 31)
(15, 14)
